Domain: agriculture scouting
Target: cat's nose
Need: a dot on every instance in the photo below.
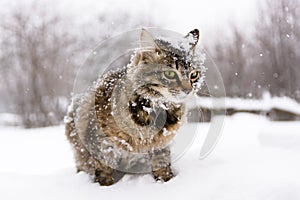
(186, 88)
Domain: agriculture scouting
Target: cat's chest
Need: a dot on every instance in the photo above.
(142, 122)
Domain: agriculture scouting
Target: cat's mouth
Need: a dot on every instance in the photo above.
(183, 95)
(179, 96)
(170, 93)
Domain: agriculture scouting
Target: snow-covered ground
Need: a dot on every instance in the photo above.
(267, 103)
(254, 159)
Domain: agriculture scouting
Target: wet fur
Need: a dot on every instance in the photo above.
(103, 125)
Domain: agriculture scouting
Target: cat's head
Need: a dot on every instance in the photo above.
(167, 67)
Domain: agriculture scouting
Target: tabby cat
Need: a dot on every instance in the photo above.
(127, 120)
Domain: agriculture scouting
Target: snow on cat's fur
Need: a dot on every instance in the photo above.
(128, 118)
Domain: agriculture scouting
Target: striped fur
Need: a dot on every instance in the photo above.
(127, 119)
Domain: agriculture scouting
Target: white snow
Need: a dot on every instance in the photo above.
(264, 104)
(255, 159)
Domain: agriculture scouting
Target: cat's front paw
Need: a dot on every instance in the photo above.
(163, 174)
(103, 179)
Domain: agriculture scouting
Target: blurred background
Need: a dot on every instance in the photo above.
(255, 45)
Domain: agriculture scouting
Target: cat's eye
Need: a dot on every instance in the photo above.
(194, 75)
(170, 74)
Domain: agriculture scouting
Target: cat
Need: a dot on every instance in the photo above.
(129, 117)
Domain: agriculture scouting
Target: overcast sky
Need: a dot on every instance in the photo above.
(176, 15)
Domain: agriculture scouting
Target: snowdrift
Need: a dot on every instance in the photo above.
(255, 159)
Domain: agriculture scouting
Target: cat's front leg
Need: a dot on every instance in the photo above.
(161, 165)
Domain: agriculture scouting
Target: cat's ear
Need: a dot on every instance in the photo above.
(193, 38)
(147, 41)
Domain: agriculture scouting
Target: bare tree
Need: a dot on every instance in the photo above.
(231, 54)
(40, 54)
(266, 60)
(36, 62)
(278, 36)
